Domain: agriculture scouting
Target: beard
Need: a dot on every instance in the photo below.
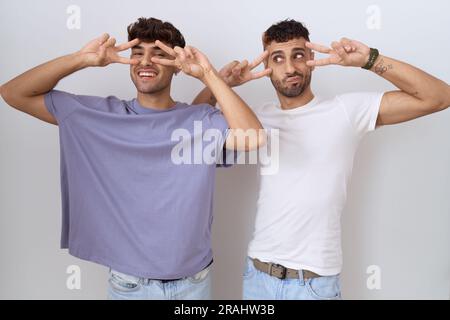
(294, 90)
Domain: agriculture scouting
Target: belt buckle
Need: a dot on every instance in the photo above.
(278, 266)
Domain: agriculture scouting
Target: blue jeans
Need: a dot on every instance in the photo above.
(127, 287)
(261, 286)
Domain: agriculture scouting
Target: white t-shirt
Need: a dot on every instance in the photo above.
(299, 207)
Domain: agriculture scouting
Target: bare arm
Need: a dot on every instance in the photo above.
(205, 96)
(237, 113)
(26, 92)
(419, 93)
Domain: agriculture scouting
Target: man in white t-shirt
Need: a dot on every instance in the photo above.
(295, 252)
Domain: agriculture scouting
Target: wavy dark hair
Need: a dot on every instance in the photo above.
(152, 29)
(284, 31)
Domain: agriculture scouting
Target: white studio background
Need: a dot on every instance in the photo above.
(396, 224)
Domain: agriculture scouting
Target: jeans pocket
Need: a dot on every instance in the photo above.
(122, 282)
(324, 288)
(250, 269)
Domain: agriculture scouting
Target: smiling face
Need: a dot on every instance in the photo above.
(148, 77)
(290, 74)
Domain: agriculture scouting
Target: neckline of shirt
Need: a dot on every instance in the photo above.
(135, 105)
(298, 109)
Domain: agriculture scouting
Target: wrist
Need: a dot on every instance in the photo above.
(210, 75)
(81, 60)
(377, 61)
(371, 59)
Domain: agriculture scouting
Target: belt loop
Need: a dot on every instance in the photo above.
(301, 277)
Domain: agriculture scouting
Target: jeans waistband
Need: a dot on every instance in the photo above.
(171, 280)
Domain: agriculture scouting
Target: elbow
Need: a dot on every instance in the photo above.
(436, 101)
(444, 102)
(247, 139)
(435, 106)
(440, 106)
(262, 138)
(5, 93)
(11, 97)
(258, 141)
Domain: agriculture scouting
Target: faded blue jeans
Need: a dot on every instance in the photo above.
(127, 287)
(261, 286)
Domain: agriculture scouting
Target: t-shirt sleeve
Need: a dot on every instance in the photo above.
(61, 104)
(362, 109)
(216, 120)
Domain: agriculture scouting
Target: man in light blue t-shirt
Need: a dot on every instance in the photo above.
(137, 177)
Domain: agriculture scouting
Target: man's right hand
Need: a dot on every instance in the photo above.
(103, 51)
(26, 92)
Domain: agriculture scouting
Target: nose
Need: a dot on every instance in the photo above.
(146, 60)
(289, 67)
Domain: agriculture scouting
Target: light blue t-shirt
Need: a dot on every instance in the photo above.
(126, 203)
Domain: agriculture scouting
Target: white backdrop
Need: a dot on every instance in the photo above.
(397, 218)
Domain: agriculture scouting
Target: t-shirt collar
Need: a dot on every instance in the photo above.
(300, 108)
(139, 109)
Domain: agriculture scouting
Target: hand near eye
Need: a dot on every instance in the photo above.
(189, 60)
(103, 51)
(237, 73)
(346, 52)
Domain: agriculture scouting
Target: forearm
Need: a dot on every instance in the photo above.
(413, 81)
(205, 96)
(44, 77)
(237, 113)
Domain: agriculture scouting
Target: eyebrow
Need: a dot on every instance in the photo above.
(293, 50)
(139, 47)
(276, 52)
(298, 49)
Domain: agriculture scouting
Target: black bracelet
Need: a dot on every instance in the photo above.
(374, 53)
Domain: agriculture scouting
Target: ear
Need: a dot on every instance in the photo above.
(312, 58)
(266, 59)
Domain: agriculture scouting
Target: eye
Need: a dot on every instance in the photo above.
(277, 59)
(137, 53)
(159, 53)
(298, 56)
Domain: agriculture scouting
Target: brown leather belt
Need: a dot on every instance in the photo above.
(281, 272)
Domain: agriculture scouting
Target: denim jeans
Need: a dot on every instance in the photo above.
(261, 286)
(127, 287)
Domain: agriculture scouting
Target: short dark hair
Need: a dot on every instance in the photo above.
(284, 31)
(152, 29)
